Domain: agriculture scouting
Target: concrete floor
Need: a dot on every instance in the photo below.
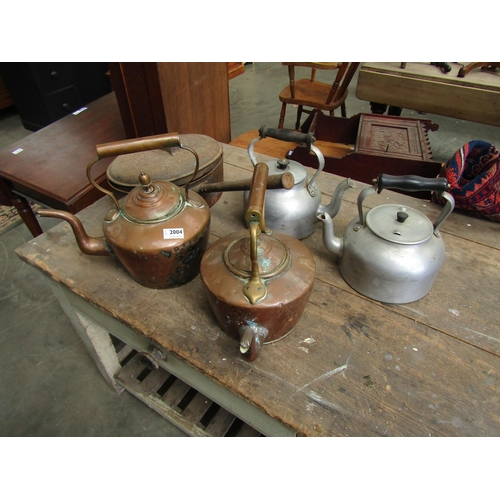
(49, 384)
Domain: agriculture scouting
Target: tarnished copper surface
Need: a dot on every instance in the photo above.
(287, 293)
(145, 249)
(153, 202)
(256, 282)
(154, 261)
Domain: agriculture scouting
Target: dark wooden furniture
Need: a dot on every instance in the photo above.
(183, 97)
(352, 366)
(363, 146)
(5, 97)
(49, 166)
(424, 87)
(314, 94)
(44, 92)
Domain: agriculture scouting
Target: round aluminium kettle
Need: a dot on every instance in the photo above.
(257, 281)
(392, 253)
(158, 232)
(294, 212)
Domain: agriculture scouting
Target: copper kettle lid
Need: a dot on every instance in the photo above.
(273, 257)
(153, 201)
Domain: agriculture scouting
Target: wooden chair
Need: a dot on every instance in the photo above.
(313, 94)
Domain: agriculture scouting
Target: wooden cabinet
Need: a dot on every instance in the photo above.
(5, 97)
(182, 97)
(45, 92)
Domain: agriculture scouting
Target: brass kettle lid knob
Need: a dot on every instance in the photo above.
(146, 182)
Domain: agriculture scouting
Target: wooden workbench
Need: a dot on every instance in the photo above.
(423, 87)
(352, 366)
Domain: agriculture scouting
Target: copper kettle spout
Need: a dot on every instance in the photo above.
(251, 340)
(87, 244)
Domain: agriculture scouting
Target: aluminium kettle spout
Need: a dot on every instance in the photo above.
(334, 206)
(87, 244)
(331, 242)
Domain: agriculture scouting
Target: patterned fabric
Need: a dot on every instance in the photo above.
(474, 177)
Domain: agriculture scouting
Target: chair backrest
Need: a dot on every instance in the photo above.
(342, 79)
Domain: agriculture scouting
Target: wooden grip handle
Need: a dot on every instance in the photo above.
(137, 145)
(276, 181)
(255, 208)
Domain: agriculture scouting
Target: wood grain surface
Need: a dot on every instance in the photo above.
(423, 87)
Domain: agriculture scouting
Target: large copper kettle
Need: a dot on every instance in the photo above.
(158, 232)
(258, 282)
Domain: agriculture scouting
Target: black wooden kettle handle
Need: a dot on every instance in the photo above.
(283, 134)
(411, 183)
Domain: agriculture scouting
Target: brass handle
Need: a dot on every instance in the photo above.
(136, 146)
(255, 290)
(255, 205)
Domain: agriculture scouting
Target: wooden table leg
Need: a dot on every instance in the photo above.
(22, 206)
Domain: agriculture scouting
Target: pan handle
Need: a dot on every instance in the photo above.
(139, 145)
(277, 181)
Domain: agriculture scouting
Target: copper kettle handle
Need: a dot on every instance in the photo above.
(138, 145)
(254, 290)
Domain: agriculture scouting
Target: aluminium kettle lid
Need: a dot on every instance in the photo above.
(277, 167)
(399, 224)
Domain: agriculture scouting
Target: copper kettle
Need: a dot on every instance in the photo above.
(158, 232)
(257, 282)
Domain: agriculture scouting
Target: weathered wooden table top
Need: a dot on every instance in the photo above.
(352, 366)
(424, 87)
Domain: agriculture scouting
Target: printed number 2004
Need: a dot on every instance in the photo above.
(173, 233)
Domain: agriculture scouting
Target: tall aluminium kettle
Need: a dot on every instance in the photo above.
(392, 253)
(294, 212)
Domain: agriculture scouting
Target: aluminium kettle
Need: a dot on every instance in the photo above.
(392, 253)
(294, 211)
